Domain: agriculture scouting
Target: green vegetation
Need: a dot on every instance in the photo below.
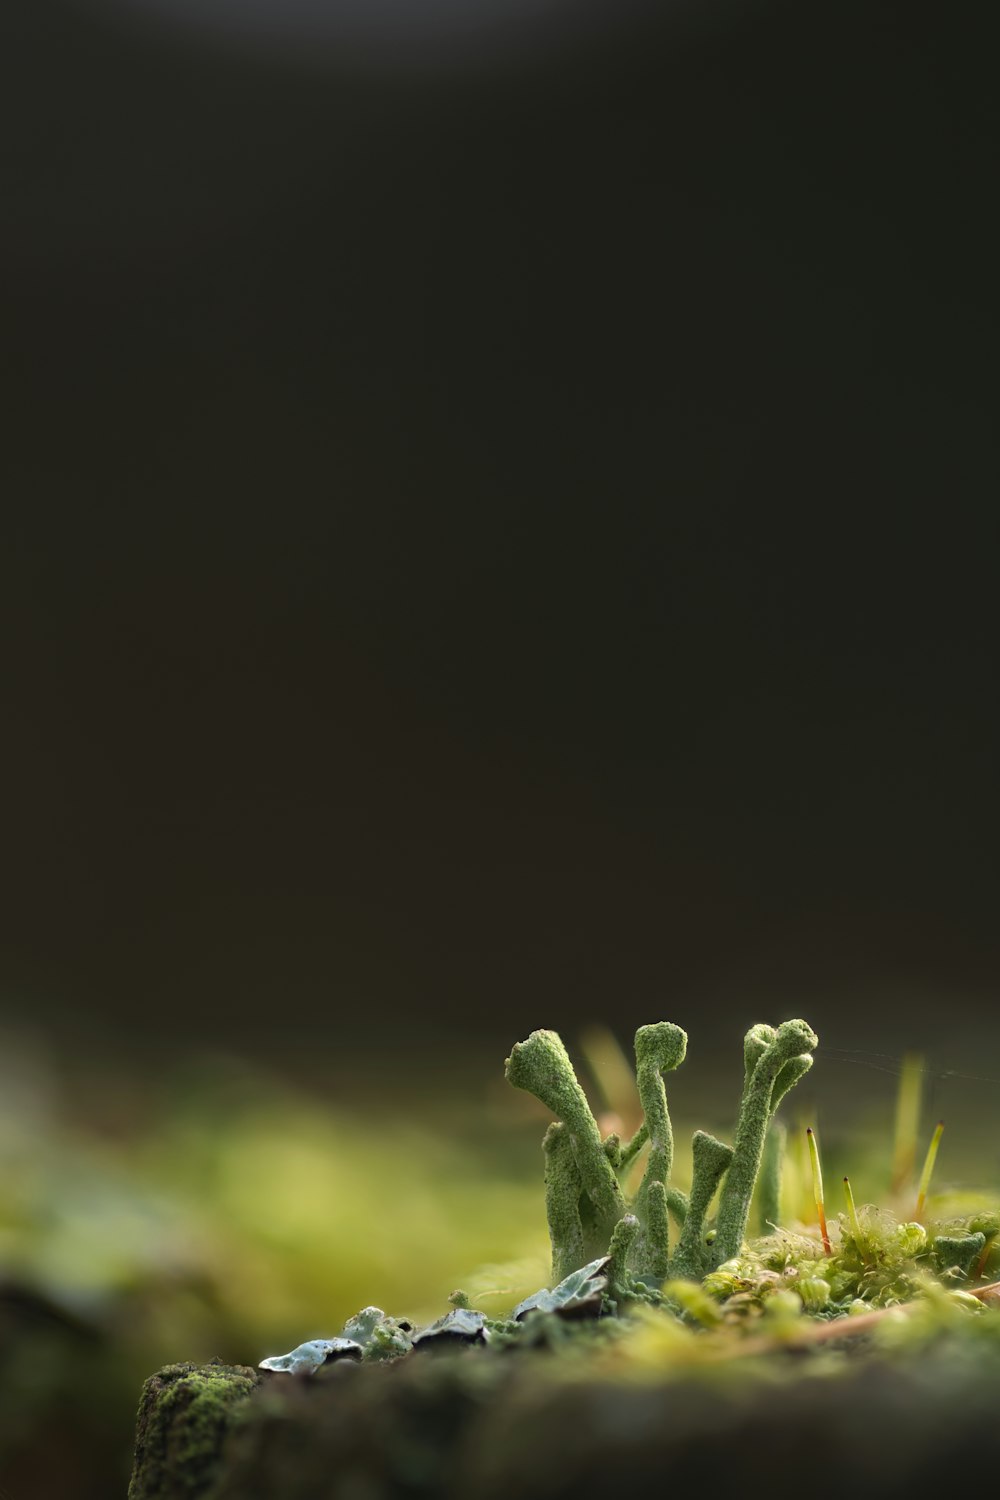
(610, 1244)
(624, 1309)
(208, 1211)
(184, 1416)
(584, 1198)
(230, 1215)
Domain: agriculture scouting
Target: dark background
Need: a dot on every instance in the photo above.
(503, 535)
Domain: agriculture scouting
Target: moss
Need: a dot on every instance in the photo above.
(184, 1415)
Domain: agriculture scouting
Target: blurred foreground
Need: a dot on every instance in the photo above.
(221, 1216)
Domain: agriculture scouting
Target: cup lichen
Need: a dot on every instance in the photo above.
(585, 1201)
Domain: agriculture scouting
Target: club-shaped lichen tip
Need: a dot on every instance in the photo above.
(663, 1044)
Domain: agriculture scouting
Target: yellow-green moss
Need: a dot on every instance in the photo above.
(184, 1414)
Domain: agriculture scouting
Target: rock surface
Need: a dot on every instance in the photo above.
(477, 1426)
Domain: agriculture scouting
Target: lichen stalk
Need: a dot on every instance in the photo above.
(620, 1252)
(562, 1202)
(658, 1049)
(766, 1062)
(710, 1158)
(631, 1150)
(541, 1066)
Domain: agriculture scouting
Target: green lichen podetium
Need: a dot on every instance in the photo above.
(585, 1206)
(583, 1198)
(774, 1063)
(184, 1414)
(659, 1049)
(562, 1202)
(709, 1160)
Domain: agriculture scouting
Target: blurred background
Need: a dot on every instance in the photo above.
(500, 531)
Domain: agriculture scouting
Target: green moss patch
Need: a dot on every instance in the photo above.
(185, 1413)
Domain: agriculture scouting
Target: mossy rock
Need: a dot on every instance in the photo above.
(184, 1415)
(474, 1426)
